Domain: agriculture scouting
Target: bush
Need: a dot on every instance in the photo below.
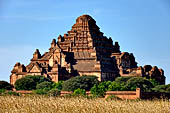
(117, 86)
(122, 79)
(44, 85)
(98, 90)
(154, 82)
(5, 85)
(54, 92)
(139, 82)
(29, 82)
(80, 92)
(2, 91)
(13, 93)
(40, 91)
(82, 82)
(38, 79)
(57, 85)
(25, 84)
(162, 88)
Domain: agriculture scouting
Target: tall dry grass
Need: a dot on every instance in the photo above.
(42, 104)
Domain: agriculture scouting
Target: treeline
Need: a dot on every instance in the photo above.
(80, 84)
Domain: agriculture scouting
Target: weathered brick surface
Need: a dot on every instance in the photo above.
(84, 50)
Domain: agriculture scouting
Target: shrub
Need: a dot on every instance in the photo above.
(162, 88)
(38, 78)
(44, 85)
(13, 93)
(80, 92)
(154, 82)
(5, 85)
(25, 84)
(122, 79)
(57, 85)
(2, 91)
(117, 86)
(98, 90)
(168, 89)
(54, 92)
(139, 82)
(29, 82)
(82, 82)
(40, 91)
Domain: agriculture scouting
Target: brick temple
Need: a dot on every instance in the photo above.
(84, 50)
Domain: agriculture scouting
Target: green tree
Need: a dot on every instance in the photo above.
(122, 79)
(30, 82)
(98, 90)
(81, 92)
(162, 88)
(139, 82)
(25, 84)
(5, 85)
(57, 85)
(117, 86)
(44, 85)
(154, 82)
(82, 82)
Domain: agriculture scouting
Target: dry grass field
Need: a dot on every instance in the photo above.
(42, 104)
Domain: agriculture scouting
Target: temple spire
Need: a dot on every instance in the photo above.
(36, 54)
(53, 43)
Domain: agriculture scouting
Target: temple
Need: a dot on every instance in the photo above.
(84, 50)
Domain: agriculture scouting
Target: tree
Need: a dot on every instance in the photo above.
(117, 86)
(139, 82)
(162, 88)
(5, 85)
(30, 82)
(122, 79)
(100, 89)
(82, 82)
(79, 92)
(44, 85)
(154, 82)
(25, 84)
(57, 85)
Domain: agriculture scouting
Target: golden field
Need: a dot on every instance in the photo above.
(44, 104)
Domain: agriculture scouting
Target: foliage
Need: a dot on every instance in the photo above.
(44, 85)
(2, 91)
(13, 93)
(80, 92)
(82, 82)
(122, 79)
(138, 82)
(154, 82)
(98, 90)
(25, 84)
(117, 86)
(162, 88)
(5, 85)
(39, 78)
(29, 82)
(57, 85)
(40, 91)
(54, 92)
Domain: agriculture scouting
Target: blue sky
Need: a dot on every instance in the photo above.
(141, 27)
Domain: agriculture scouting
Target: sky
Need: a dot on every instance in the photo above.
(141, 27)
